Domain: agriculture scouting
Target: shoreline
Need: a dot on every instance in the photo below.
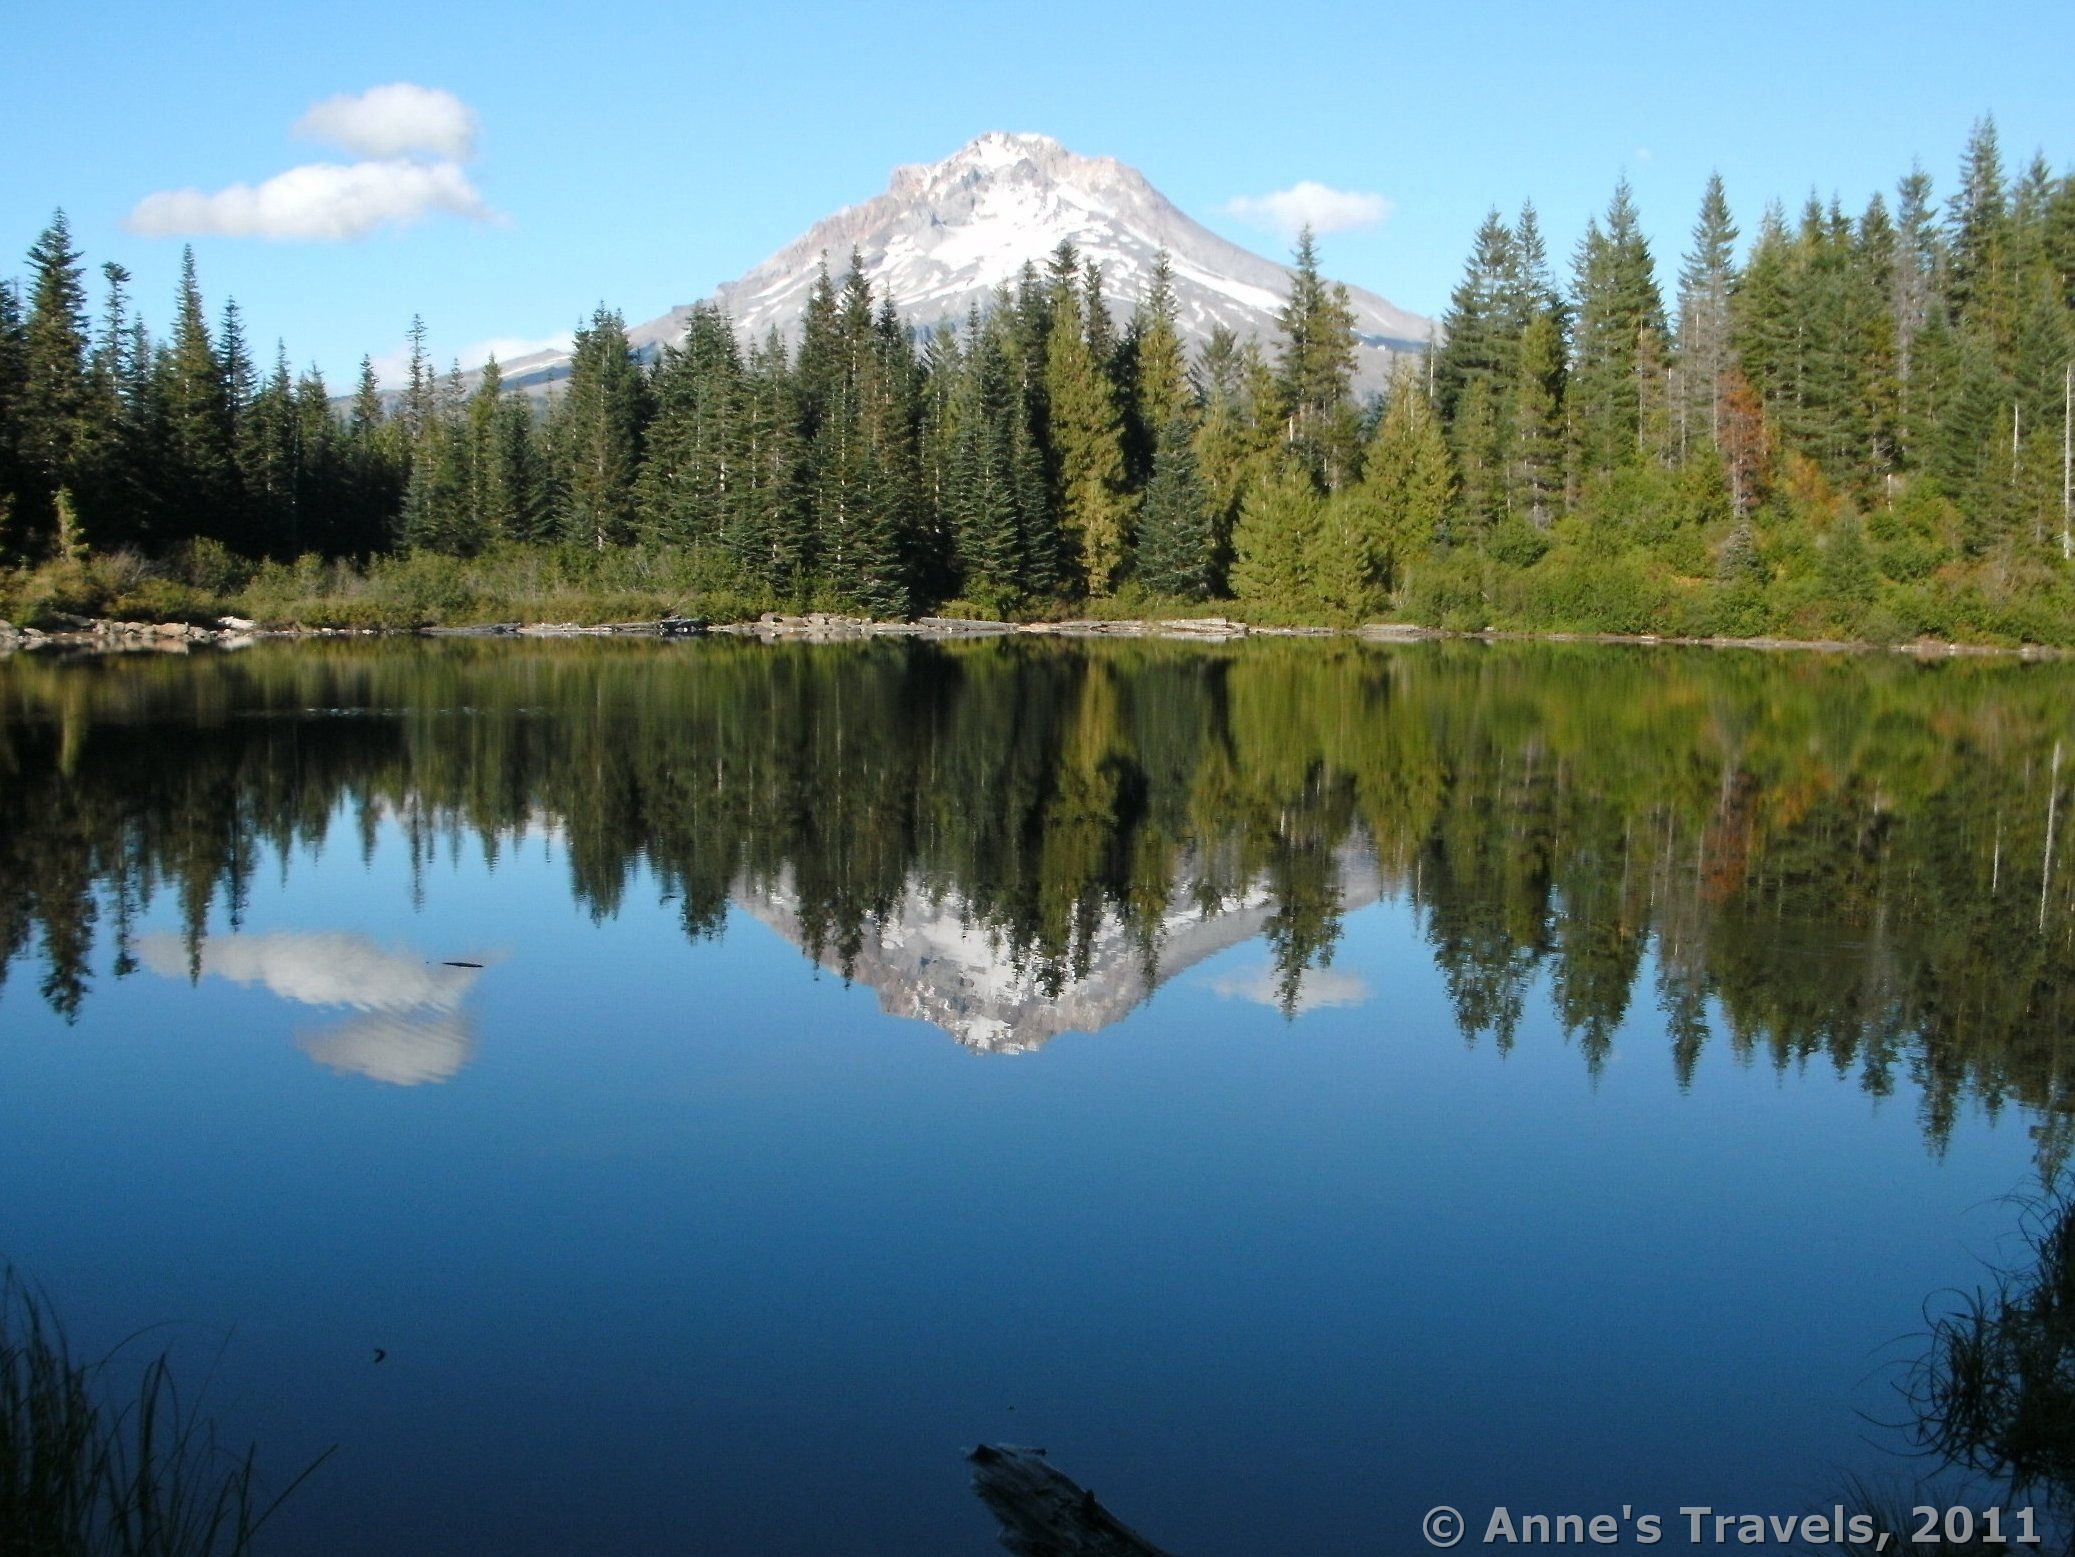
(99, 635)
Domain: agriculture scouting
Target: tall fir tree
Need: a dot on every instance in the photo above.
(595, 433)
(1087, 437)
(13, 364)
(1408, 481)
(1159, 368)
(56, 422)
(1315, 367)
(1474, 372)
(690, 488)
(200, 481)
(1175, 552)
(1617, 354)
(1707, 281)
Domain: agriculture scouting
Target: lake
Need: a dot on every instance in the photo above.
(1296, 1083)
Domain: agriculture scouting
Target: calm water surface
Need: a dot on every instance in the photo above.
(1297, 1084)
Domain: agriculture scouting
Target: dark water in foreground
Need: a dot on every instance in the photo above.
(1298, 1084)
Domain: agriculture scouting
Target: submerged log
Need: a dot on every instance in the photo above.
(1044, 1513)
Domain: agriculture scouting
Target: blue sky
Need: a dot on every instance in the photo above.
(640, 154)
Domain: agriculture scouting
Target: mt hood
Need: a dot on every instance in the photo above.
(944, 236)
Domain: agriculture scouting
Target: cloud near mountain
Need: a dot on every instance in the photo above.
(395, 121)
(414, 140)
(1305, 204)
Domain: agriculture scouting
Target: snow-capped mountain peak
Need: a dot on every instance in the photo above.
(944, 235)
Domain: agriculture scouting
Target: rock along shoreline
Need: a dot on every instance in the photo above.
(95, 635)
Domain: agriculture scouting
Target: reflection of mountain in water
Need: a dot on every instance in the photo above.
(1792, 860)
(928, 960)
(413, 1029)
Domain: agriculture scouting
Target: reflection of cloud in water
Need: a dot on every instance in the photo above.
(1317, 988)
(318, 968)
(401, 1049)
(415, 1030)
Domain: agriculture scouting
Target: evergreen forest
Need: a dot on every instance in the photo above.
(1846, 424)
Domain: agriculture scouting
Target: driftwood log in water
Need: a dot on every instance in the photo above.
(1046, 1514)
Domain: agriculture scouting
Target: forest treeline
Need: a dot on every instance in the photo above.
(1853, 424)
(1797, 860)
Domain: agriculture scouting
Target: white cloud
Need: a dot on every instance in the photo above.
(1644, 154)
(318, 968)
(404, 1051)
(1318, 206)
(318, 202)
(394, 120)
(1316, 988)
(413, 141)
(413, 1029)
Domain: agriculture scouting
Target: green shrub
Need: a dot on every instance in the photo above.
(1450, 591)
(211, 566)
(1571, 591)
(1517, 544)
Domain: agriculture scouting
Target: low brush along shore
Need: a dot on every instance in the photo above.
(104, 635)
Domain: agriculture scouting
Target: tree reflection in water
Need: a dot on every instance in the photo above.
(1800, 858)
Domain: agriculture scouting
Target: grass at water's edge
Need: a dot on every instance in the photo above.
(93, 1466)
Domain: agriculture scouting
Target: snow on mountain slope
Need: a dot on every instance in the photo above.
(929, 960)
(945, 235)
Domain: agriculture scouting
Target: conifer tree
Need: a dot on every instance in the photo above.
(1275, 540)
(1474, 372)
(1087, 438)
(1160, 367)
(366, 415)
(1978, 224)
(1103, 344)
(1537, 440)
(985, 521)
(943, 400)
(108, 368)
(265, 451)
(12, 368)
(324, 497)
(437, 514)
(503, 474)
(880, 563)
(420, 384)
(1918, 279)
(1343, 567)
(1236, 434)
(1536, 342)
(1407, 486)
(1175, 551)
(690, 487)
(773, 542)
(200, 477)
(596, 433)
(1707, 281)
(1316, 367)
(1619, 341)
(826, 390)
(1870, 342)
(56, 404)
(125, 460)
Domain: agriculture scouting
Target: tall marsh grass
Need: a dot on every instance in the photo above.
(92, 1465)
